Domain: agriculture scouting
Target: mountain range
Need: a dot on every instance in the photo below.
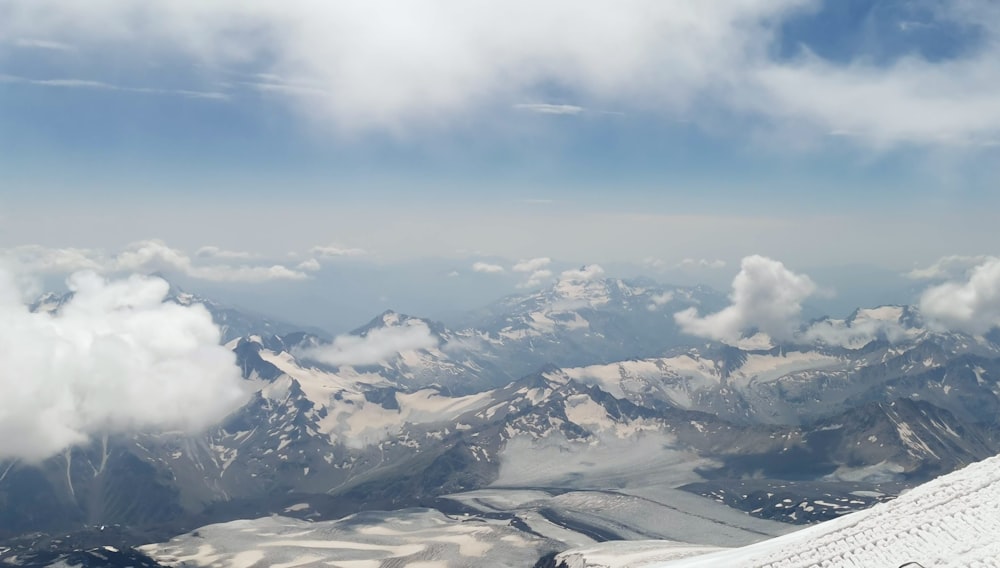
(569, 392)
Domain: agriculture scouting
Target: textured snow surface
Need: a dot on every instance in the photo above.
(634, 554)
(953, 521)
(412, 537)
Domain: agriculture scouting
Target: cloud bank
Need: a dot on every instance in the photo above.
(391, 65)
(766, 296)
(854, 334)
(209, 263)
(374, 347)
(115, 358)
(970, 305)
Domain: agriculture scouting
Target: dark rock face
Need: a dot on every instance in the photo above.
(87, 547)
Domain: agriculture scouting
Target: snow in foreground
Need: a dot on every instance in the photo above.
(953, 521)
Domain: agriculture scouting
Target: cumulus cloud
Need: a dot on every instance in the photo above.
(487, 268)
(583, 274)
(949, 267)
(115, 358)
(533, 264)
(535, 279)
(146, 256)
(658, 300)
(970, 305)
(376, 346)
(310, 265)
(536, 269)
(766, 296)
(392, 64)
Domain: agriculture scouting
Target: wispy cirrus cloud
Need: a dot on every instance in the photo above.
(33, 43)
(74, 83)
(549, 108)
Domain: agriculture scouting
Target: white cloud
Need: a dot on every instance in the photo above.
(535, 279)
(394, 64)
(147, 256)
(532, 265)
(115, 358)
(334, 251)
(487, 268)
(39, 259)
(970, 305)
(377, 346)
(911, 101)
(583, 274)
(949, 267)
(547, 108)
(29, 43)
(766, 296)
(854, 334)
(538, 273)
(310, 265)
(142, 256)
(658, 300)
(72, 83)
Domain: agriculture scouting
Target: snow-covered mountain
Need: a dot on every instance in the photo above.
(952, 521)
(592, 320)
(797, 433)
(799, 383)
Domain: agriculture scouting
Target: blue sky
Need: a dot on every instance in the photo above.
(826, 134)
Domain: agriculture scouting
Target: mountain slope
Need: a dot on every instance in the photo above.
(951, 521)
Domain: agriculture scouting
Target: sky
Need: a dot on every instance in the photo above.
(327, 160)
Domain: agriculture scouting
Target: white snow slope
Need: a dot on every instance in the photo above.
(953, 521)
